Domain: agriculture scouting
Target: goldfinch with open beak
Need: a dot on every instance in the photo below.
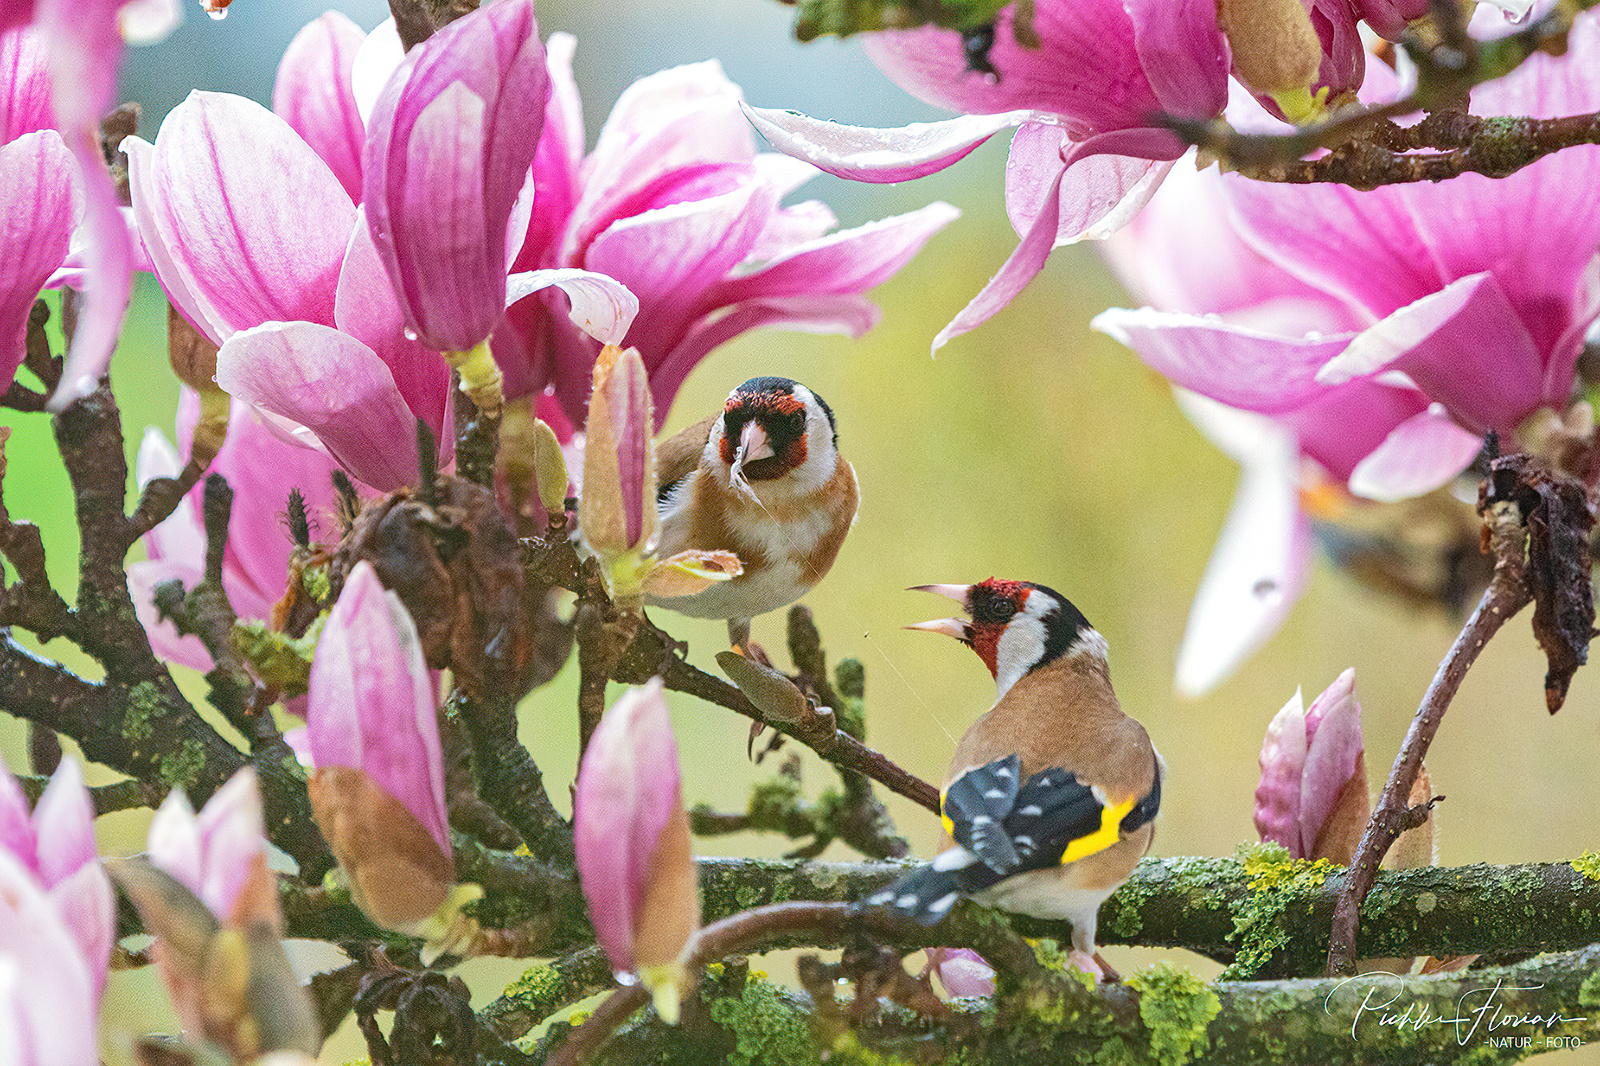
(764, 479)
(1050, 798)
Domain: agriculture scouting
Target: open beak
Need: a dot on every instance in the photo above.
(753, 445)
(959, 628)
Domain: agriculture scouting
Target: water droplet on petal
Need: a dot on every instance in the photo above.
(410, 333)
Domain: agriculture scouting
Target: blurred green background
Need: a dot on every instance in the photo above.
(1029, 449)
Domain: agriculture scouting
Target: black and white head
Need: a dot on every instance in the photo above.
(772, 429)
(1015, 626)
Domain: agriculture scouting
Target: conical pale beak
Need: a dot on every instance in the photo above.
(950, 627)
(753, 445)
(954, 592)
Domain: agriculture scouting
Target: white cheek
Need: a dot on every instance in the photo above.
(1021, 644)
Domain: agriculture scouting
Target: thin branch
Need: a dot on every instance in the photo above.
(1507, 594)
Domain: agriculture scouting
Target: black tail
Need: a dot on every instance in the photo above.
(928, 892)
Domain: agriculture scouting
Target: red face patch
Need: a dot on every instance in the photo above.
(992, 604)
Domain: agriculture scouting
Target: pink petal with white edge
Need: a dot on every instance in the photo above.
(174, 272)
(849, 261)
(36, 220)
(312, 92)
(375, 62)
(333, 385)
(849, 314)
(231, 839)
(64, 822)
(1333, 734)
(86, 903)
(864, 153)
(1260, 564)
(1464, 346)
(1423, 453)
(48, 990)
(1283, 761)
(627, 787)
(371, 702)
(602, 306)
(255, 219)
(173, 841)
(367, 308)
(16, 828)
(1232, 364)
(1101, 194)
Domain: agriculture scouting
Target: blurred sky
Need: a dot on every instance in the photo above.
(1029, 449)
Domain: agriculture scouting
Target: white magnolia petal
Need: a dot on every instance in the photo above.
(602, 306)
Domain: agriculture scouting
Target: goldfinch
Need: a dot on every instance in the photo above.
(1050, 797)
(763, 479)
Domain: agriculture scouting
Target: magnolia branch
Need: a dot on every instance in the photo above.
(552, 560)
(1039, 1010)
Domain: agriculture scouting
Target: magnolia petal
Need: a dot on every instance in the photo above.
(371, 702)
(36, 220)
(313, 93)
(689, 572)
(173, 841)
(962, 972)
(367, 308)
(335, 386)
(63, 819)
(231, 830)
(48, 990)
(1333, 755)
(16, 828)
(627, 787)
(864, 153)
(24, 84)
(602, 306)
(1423, 453)
(85, 901)
(1101, 194)
(851, 260)
(1260, 563)
(1026, 260)
(1232, 364)
(251, 218)
(1283, 760)
(108, 266)
(1464, 346)
(374, 63)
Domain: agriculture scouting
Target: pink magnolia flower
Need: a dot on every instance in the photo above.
(49, 992)
(1090, 148)
(1377, 335)
(448, 149)
(371, 727)
(675, 203)
(219, 854)
(259, 246)
(261, 467)
(1312, 798)
(633, 849)
(55, 845)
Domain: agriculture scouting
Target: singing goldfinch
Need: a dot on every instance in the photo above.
(1050, 797)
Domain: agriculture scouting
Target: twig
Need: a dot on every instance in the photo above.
(1506, 595)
